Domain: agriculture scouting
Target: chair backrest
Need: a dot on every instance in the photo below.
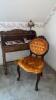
(39, 46)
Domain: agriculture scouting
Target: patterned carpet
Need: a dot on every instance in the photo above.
(11, 89)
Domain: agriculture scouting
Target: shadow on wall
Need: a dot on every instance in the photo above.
(51, 56)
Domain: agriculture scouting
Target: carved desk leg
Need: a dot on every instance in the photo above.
(38, 79)
(18, 72)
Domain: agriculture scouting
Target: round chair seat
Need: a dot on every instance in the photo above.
(31, 64)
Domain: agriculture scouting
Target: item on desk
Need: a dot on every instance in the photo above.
(26, 40)
(19, 42)
(13, 42)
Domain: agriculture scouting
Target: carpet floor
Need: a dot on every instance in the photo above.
(11, 89)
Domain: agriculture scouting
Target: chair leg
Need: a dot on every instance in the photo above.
(41, 73)
(38, 79)
(18, 72)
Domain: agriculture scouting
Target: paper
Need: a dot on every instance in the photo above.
(13, 42)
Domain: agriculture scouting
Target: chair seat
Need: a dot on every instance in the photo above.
(31, 64)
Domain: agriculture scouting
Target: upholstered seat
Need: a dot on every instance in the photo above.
(35, 62)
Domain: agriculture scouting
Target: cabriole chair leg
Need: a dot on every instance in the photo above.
(18, 72)
(38, 79)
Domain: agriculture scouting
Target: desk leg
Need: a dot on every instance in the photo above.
(4, 63)
(5, 68)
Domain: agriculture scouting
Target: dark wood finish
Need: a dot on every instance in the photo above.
(38, 79)
(18, 72)
(15, 35)
(17, 47)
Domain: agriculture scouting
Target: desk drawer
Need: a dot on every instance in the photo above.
(18, 47)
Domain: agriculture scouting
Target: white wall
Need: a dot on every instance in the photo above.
(50, 33)
(21, 10)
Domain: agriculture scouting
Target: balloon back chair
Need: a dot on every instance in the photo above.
(34, 63)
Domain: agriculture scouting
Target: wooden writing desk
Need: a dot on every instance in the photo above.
(15, 40)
